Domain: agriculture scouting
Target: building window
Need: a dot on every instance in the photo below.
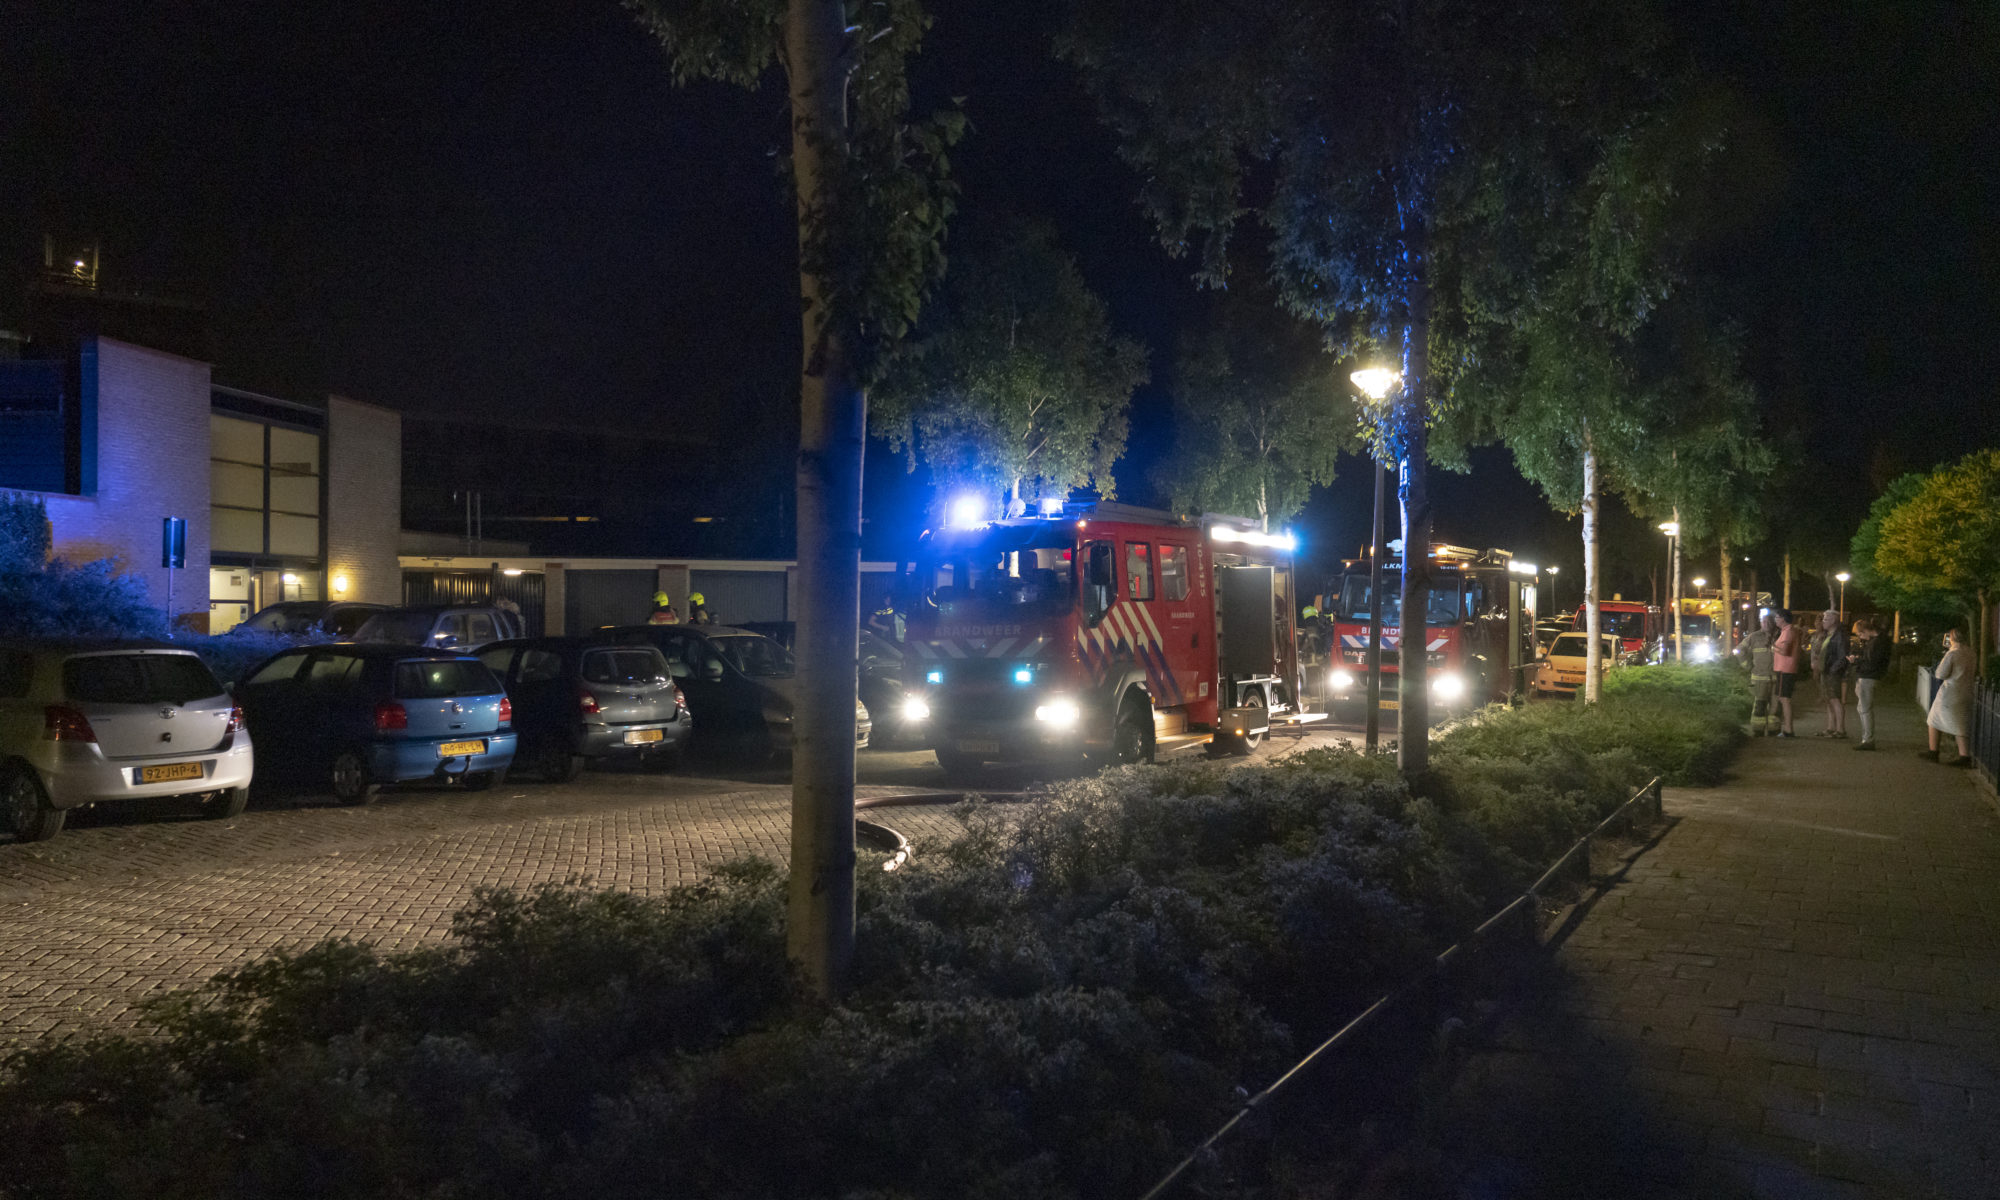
(264, 489)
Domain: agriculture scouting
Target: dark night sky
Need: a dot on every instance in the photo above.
(506, 208)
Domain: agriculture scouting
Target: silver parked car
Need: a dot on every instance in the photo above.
(90, 723)
(461, 628)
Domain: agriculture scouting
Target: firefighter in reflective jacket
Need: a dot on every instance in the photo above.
(663, 611)
(698, 613)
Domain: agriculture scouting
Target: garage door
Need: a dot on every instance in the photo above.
(737, 596)
(594, 599)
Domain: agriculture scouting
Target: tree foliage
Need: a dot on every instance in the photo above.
(1893, 591)
(1261, 412)
(1944, 538)
(875, 233)
(1015, 384)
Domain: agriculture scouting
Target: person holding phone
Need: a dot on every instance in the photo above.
(1951, 706)
(1785, 655)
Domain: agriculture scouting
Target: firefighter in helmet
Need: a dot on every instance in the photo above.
(663, 611)
(698, 613)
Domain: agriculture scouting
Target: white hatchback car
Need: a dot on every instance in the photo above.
(91, 723)
(1562, 668)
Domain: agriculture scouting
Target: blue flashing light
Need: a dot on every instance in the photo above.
(1024, 675)
(936, 676)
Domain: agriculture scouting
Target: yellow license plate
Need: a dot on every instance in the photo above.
(1391, 704)
(639, 737)
(459, 749)
(168, 772)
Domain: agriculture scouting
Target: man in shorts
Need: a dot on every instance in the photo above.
(1785, 655)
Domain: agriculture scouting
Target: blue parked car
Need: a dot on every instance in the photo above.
(353, 717)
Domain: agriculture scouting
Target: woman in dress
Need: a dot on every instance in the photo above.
(1951, 707)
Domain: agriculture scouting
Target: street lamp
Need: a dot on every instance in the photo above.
(1673, 531)
(1843, 577)
(1376, 383)
(1555, 600)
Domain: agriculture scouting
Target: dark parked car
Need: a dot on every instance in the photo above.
(739, 685)
(464, 628)
(352, 717)
(579, 699)
(881, 677)
(338, 618)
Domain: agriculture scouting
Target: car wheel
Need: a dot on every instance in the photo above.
(1132, 737)
(25, 805)
(479, 781)
(350, 779)
(557, 764)
(227, 803)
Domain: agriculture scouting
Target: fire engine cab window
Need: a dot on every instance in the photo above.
(1443, 605)
(1006, 572)
(1139, 570)
(1173, 572)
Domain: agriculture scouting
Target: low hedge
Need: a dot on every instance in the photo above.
(1052, 1005)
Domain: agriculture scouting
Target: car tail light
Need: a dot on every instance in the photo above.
(391, 715)
(588, 703)
(235, 720)
(506, 711)
(61, 723)
(680, 698)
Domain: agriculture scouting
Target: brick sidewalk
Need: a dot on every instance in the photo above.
(1796, 992)
(90, 923)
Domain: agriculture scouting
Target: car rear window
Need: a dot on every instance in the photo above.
(348, 621)
(625, 666)
(438, 678)
(138, 679)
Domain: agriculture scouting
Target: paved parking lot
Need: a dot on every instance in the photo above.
(121, 905)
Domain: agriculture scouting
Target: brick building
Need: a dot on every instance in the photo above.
(283, 500)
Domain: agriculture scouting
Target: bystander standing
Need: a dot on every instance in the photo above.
(1951, 707)
(1785, 655)
(1830, 663)
(1869, 657)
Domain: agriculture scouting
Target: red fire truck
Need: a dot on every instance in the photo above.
(1479, 628)
(1637, 625)
(1108, 631)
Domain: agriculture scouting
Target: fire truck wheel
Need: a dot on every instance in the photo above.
(1243, 745)
(1132, 739)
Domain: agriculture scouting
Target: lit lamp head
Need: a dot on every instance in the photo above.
(1700, 583)
(1670, 528)
(1376, 382)
(1843, 577)
(1555, 570)
(340, 585)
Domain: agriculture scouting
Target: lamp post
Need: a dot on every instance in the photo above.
(1843, 577)
(1673, 531)
(1555, 598)
(1375, 383)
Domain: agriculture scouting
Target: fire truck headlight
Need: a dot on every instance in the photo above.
(1448, 687)
(935, 676)
(916, 708)
(1060, 713)
(1024, 675)
(1702, 652)
(1342, 679)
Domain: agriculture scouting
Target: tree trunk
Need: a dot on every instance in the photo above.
(1593, 662)
(1263, 505)
(833, 419)
(1726, 627)
(1413, 708)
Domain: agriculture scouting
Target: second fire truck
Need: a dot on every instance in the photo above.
(1478, 629)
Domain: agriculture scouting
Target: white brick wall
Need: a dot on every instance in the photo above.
(364, 500)
(152, 462)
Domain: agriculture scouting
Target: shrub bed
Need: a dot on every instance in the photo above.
(1053, 1006)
